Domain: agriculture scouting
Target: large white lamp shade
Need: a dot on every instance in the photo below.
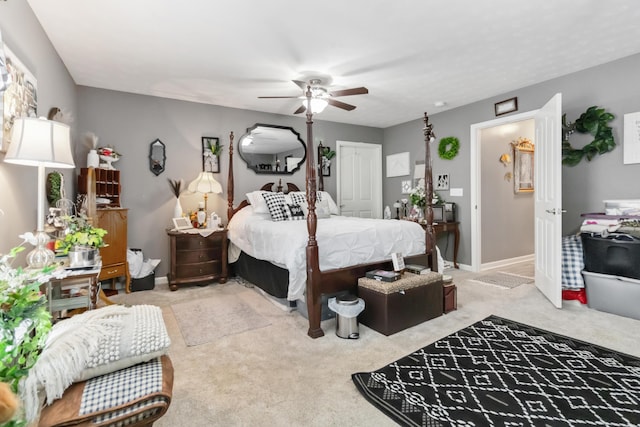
(41, 143)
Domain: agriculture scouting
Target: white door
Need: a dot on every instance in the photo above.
(359, 179)
(548, 196)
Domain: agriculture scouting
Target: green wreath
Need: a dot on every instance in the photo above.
(593, 121)
(448, 147)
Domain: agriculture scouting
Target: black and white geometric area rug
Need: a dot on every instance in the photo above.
(498, 372)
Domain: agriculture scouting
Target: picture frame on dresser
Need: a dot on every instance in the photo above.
(182, 223)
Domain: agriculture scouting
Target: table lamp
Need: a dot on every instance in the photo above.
(42, 143)
(205, 183)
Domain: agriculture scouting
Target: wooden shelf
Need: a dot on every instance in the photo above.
(107, 186)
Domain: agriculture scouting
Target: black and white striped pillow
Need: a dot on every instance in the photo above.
(275, 201)
(293, 211)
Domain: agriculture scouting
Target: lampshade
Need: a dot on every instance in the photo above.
(317, 104)
(205, 183)
(40, 142)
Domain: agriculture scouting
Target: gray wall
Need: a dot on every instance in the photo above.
(505, 209)
(612, 86)
(55, 88)
(131, 122)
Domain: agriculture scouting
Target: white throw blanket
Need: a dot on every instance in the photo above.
(91, 344)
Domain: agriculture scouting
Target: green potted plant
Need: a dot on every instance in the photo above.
(24, 323)
(81, 241)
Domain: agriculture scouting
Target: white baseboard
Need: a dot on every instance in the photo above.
(506, 262)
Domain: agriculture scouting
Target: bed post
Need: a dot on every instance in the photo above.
(430, 241)
(313, 266)
(230, 180)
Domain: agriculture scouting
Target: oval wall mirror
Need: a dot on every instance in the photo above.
(272, 149)
(157, 157)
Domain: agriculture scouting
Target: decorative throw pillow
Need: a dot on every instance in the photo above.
(572, 262)
(297, 197)
(333, 207)
(257, 201)
(95, 343)
(293, 211)
(275, 201)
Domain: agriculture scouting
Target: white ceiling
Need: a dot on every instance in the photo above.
(408, 53)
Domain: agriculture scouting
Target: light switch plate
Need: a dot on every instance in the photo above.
(455, 192)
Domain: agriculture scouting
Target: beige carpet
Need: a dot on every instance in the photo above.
(278, 376)
(223, 315)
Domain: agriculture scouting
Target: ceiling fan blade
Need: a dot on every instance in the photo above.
(300, 109)
(347, 92)
(342, 105)
(267, 97)
(302, 85)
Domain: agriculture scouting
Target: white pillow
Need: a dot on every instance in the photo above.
(322, 209)
(333, 207)
(257, 201)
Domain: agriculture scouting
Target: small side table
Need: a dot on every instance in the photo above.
(79, 289)
(441, 227)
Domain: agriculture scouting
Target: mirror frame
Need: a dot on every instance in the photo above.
(153, 161)
(272, 172)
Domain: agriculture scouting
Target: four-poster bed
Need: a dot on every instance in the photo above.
(333, 280)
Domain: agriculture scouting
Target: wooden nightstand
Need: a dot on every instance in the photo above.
(196, 258)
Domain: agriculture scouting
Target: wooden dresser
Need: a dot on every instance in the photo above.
(114, 256)
(197, 259)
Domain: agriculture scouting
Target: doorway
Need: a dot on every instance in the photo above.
(497, 211)
(359, 179)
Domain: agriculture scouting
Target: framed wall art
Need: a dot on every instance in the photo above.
(398, 165)
(441, 182)
(211, 149)
(507, 106)
(524, 152)
(20, 98)
(325, 161)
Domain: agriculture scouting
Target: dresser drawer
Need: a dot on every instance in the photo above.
(191, 242)
(111, 271)
(198, 269)
(193, 256)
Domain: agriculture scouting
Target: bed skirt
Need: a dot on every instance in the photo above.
(269, 277)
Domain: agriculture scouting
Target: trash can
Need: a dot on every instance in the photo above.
(347, 309)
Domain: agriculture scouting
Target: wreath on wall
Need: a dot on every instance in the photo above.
(448, 147)
(593, 121)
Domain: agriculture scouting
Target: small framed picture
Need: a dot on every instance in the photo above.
(506, 106)
(182, 223)
(398, 261)
(441, 182)
(210, 154)
(324, 162)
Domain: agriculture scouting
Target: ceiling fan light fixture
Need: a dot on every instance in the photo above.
(317, 105)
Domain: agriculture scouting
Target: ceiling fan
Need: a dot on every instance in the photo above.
(321, 97)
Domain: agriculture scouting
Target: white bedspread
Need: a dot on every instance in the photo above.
(342, 242)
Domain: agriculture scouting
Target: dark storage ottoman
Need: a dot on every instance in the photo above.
(143, 283)
(390, 307)
(616, 254)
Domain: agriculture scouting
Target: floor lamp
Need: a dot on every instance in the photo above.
(41, 143)
(205, 183)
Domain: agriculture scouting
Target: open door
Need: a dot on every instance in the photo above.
(548, 200)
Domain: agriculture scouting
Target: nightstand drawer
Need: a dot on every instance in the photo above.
(191, 242)
(198, 269)
(189, 257)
